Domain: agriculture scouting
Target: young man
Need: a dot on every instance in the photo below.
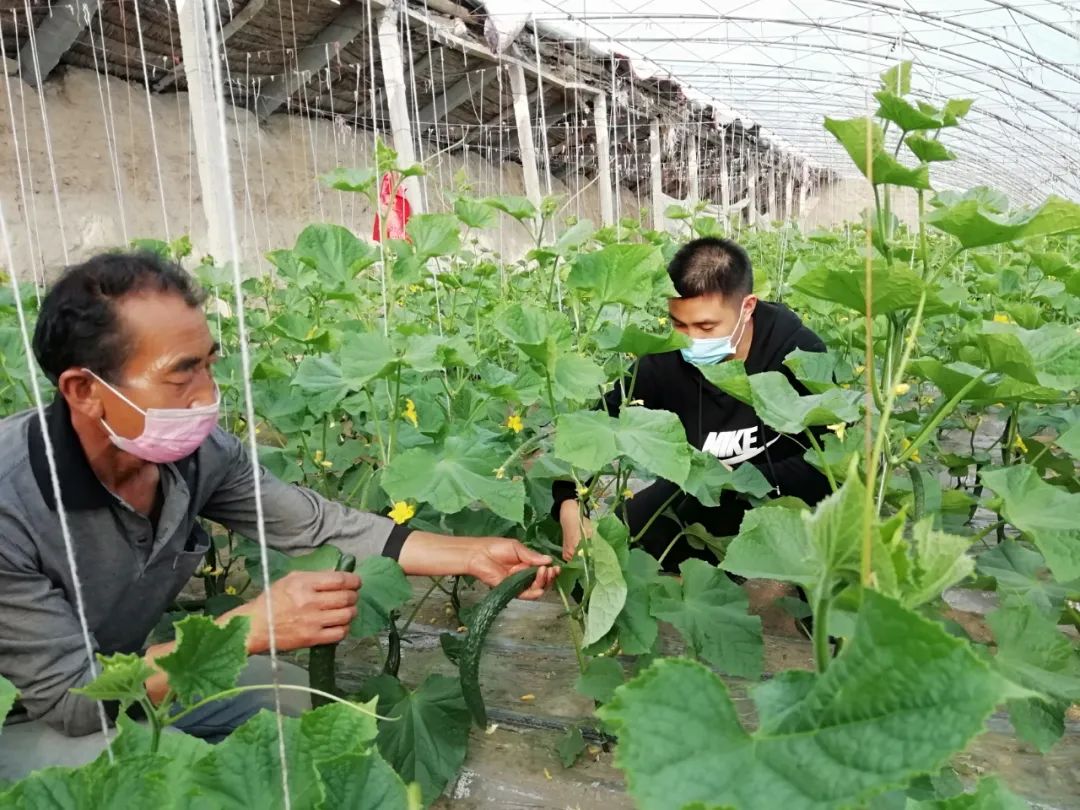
(718, 311)
(140, 459)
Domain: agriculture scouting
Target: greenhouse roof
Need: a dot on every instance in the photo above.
(786, 64)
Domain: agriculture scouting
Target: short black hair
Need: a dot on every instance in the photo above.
(78, 326)
(711, 266)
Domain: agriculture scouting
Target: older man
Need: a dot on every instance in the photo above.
(140, 459)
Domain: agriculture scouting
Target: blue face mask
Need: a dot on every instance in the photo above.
(710, 351)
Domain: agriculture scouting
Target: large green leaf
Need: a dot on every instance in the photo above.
(1069, 440)
(709, 478)
(1045, 513)
(608, 594)
(541, 334)
(576, 378)
(989, 795)
(952, 377)
(1048, 356)
(433, 235)
(137, 781)
(383, 588)
(586, 439)
(518, 207)
(244, 770)
(900, 698)
(780, 407)
(122, 678)
(922, 116)
(897, 79)
(1021, 571)
(208, 657)
(1033, 653)
(180, 752)
(773, 544)
(815, 370)
(636, 626)
(322, 558)
(602, 676)
(364, 780)
(975, 224)
(334, 252)
(731, 378)
(853, 134)
(461, 473)
(426, 738)
(618, 274)
(655, 441)
(8, 693)
(710, 613)
(928, 150)
(473, 213)
(636, 341)
(892, 288)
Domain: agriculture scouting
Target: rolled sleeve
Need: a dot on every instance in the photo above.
(296, 519)
(42, 649)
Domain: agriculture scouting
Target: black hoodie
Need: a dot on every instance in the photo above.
(718, 423)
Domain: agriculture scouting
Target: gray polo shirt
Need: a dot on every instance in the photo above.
(130, 573)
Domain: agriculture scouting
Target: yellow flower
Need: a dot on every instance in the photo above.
(627, 494)
(513, 421)
(230, 590)
(901, 389)
(662, 321)
(327, 463)
(314, 330)
(859, 370)
(415, 288)
(905, 443)
(840, 428)
(582, 491)
(1019, 444)
(318, 456)
(410, 413)
(402, 511)
(210, 571)
(500, 473)
(1001, 317)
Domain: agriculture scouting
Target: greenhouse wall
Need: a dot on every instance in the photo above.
(273, 173)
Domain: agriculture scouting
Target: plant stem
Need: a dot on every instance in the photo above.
(822, 654)
(939, 416)
(435, 582)
(655, 515)
(239, 690)
(575, 630)
(821, 455)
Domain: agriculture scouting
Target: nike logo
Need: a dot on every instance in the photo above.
(734, 446)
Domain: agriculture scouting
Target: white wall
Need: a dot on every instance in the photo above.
(274, 198)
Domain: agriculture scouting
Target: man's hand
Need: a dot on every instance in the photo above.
(496, 558)
(309, 608)
(572, 524)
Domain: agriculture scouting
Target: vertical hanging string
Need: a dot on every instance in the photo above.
(334, 128)
(37, 267)
(425, 198)
(375, 158)
(153, 129)
(613, 128)
(212, 26)
(47, 133)
(50, 457)
(262, 175)
(106, 115)
(543, 114)
(29, 157)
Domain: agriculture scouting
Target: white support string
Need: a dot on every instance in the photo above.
(153, 129)
(213, 23)
(47, 135)
(54, 479)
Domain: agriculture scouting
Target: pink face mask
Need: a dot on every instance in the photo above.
(169, 434)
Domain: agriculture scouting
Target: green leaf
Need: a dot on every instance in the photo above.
(636, 625)
(1021, 571)
(940, 561)
(1045, 513)
(540, 334)
(974, 224)
(334, 252)
(180, 753)
(244, 770)
(208, 657)
(893, 288)
(773, 544)
(815, 370)
(135, 782)
(608, 594)
(586, 439)
(8, 693)
(433, 235)
(897, 79)
(952, 377)
(363, 780)
(731, 378)
(322, 558)
(618, 274)
(989, 795)
(902, 696)
(910, 117)
(709, 478)
(710, 613)
(655, 441)
(1033, 653)
(383, 588)
(571, 746)
(576, 378)
(1047, 356)
(574, 237)
(600, 679)
(1069, 440)
(359, 180)
(928, 150)
(780, 407)
(122, 678)
(853, 135)
(474, 213)
(518, 207)
(634, 340)
(426, 739)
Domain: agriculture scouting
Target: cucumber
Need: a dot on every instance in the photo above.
(469, 657)
(322, 664)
